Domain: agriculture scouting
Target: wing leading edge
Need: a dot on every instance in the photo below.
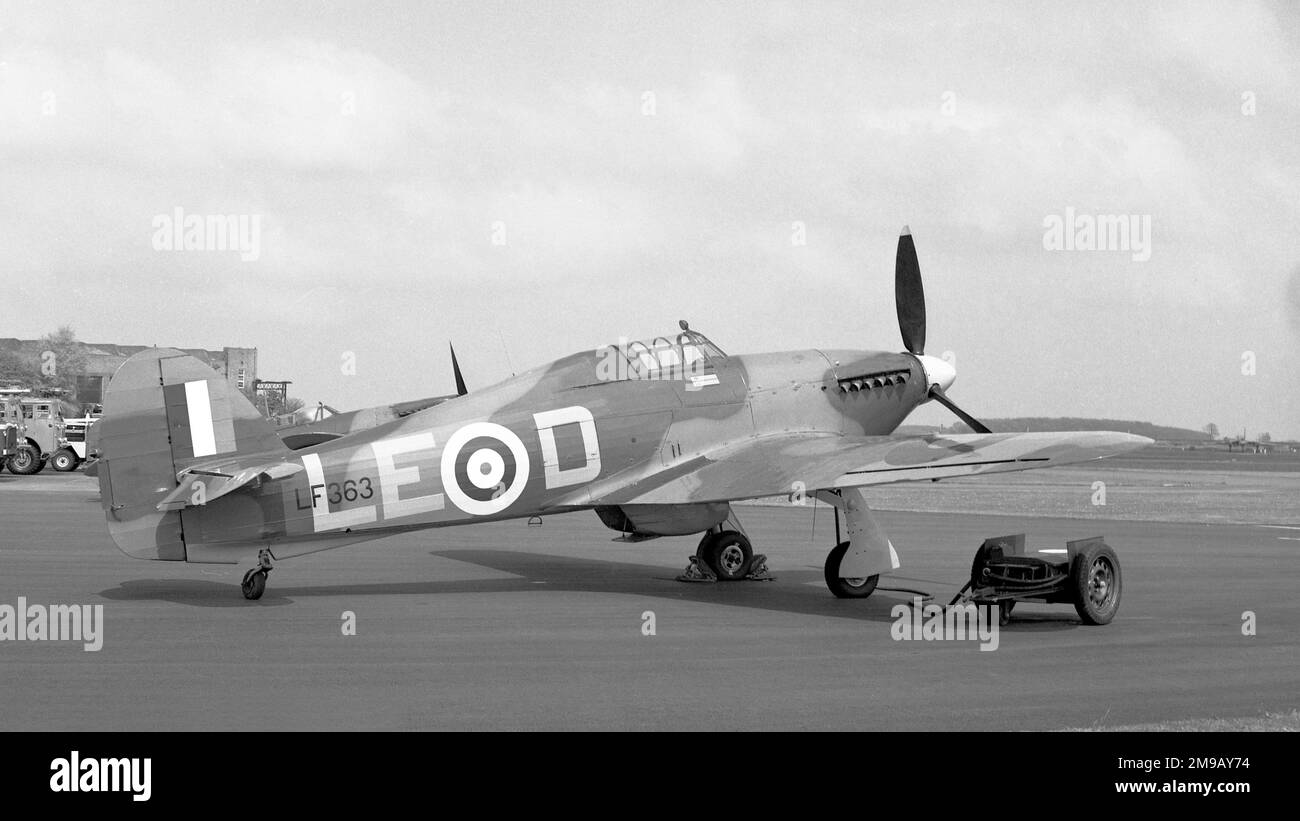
(789, 463)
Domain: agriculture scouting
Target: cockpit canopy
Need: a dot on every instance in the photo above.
(686, 351)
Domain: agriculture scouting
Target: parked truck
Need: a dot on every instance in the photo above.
(40, 433)
(77, 448)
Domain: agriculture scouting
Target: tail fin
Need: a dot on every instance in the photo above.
(165, 412)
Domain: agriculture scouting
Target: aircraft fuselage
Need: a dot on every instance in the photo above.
(542, 441)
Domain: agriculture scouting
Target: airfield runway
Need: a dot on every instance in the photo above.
(505, 626)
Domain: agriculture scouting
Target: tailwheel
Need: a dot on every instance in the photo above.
(727, 553)
(254, 583)
(846, 588)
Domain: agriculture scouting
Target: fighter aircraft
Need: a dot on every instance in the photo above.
(658, 438)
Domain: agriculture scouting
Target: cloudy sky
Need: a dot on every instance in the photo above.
(528, 179)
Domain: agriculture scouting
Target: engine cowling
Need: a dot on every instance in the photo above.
(648, 521)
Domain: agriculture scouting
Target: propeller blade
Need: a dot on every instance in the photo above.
(909, 295)
(974, 424)
(461, 390)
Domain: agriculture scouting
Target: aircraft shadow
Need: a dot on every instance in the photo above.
(791, 592)
(192, 592)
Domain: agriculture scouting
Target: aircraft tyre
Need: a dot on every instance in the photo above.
(728, 554)
(846, 588)
(254, 584)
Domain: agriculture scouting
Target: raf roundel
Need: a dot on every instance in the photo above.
(485, 470)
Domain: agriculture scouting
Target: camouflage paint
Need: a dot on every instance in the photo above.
(554, 439)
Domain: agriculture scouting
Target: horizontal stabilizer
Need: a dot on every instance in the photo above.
(202, 484)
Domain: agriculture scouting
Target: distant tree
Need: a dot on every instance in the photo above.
(63, 359)
(1264, 437)
(1212, 429)
(15, 371)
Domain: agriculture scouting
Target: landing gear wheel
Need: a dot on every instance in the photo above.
(702, 549)
(64, 460)
(728, 554)
(254, 584)
(846, 588)
(25, 461)
(1095, 580)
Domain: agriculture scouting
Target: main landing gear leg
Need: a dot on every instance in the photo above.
(853, 567)
(254, 583)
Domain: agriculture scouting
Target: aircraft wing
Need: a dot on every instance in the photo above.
(783, 464)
